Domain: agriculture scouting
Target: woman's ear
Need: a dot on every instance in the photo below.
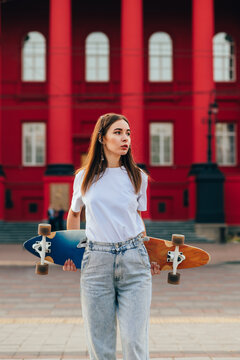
(100, 139)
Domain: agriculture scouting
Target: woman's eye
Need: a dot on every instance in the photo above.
(119, 132)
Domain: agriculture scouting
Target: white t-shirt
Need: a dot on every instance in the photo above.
(111, 205)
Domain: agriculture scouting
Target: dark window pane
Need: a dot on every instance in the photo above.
(161, 207)
(33, 208)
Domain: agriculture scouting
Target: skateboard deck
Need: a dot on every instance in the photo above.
(57, 247)
(62, 246)
(158, 251)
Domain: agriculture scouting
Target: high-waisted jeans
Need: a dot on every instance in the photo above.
(116, 282)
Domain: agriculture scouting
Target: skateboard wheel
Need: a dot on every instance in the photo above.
(173, 279)
(41, 269)
(178, 239)
(44, 229)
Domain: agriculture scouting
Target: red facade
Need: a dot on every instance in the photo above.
(69, 105)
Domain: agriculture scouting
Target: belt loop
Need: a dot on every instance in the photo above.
(137, 241)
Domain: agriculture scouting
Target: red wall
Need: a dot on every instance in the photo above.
(22, 102)
(171, 102)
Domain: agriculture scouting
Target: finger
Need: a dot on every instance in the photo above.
(73, 266)
(156, 269)
(65, 266)
(68, 265)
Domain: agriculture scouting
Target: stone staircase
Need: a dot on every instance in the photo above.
(18, 232)
(165, 229)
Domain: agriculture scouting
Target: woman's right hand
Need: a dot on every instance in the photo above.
(69, 266)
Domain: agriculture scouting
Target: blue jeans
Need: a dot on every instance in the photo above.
(116, 282)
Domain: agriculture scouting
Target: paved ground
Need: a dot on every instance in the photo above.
(40, 317)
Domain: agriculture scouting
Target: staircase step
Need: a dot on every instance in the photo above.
(18, 232)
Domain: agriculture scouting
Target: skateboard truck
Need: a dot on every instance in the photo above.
(42, 247)
(82, 243)
(176, 257)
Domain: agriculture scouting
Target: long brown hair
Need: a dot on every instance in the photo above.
(96, 165)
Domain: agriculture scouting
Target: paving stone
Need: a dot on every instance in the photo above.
(70, 299)
(173, 311)
(195, 358)
(66, 312)
(35, 306)
(222, 358)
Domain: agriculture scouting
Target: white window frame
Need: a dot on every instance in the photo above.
(97, 50)
(225, 134)
(224, 53)
(29, 131)
(162, 130)
(34, 57)
(160, 49)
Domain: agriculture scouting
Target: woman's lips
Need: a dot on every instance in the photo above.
(124, 147)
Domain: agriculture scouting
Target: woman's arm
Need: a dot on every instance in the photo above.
(73, 220)
(155, 268)
(73, 223)
(145, 233)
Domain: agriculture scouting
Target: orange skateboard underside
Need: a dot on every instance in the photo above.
(158, 252)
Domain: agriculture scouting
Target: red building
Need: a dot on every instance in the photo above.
(161, 63)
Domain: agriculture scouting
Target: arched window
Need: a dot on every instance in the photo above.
(34, 57)
(160, 57)
(223, 57)
(97, 57)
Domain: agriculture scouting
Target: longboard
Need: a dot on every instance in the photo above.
(57, 247)
(173, 255)
(159, 249)
(60, 246)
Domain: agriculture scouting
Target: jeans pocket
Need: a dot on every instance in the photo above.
(85, 260)
(142, 251)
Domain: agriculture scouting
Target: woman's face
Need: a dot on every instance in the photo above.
(117, 139)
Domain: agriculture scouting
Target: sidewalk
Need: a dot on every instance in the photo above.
(40, 316)
(185, 340)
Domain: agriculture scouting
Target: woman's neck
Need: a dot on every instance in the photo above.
(113, 164)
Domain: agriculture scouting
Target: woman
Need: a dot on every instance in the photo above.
(116, 272)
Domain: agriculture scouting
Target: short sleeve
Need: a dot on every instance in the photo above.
(77, 201)
(142, 195)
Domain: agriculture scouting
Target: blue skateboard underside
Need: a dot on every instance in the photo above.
(63, 246)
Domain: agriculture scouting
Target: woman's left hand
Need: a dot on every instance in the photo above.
(155, 268)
